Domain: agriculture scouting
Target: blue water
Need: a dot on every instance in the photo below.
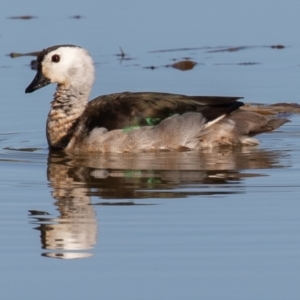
(220, 224)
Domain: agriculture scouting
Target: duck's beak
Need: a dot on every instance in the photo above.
(38, 82)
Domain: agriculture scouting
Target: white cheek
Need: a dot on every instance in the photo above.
(54, 74)
(57, 78)
(46, 72)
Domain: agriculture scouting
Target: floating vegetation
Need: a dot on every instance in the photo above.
(179, 49)
(183, 65)
(17, 54)
(123, 56)
(238, 64)
(25, 17)
(33, 63)
(150, 67)
(234, 49)
(217, 49)
(248, 63)
(230, 49)
(76, 17)
(277, 47)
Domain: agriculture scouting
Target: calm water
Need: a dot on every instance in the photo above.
(216, 224)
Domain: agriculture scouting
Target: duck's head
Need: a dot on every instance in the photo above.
(66, 65)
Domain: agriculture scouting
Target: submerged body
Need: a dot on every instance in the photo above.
(133, 122)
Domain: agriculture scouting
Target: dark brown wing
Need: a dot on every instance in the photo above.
(116, 111)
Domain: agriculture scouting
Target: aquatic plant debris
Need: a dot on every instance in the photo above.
(76, 17)
(230, 49)
(17, 54)
(183, 65)
(277, 47)
(234, 49)
(179, 49)
(25, 17)
(238, 64)
(217, 48)
(150, 67)
(122, 55)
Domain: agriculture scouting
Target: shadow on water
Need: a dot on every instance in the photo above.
(80, 183)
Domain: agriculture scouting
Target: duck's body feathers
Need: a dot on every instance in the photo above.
(130, 122)
(118, 111)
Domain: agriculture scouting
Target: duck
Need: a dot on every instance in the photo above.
(136, 121)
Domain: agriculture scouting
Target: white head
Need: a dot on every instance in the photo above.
(66, 65)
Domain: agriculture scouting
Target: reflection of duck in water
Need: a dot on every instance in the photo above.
(75, 229)
(132, 122)
(78, 183)
(154, 175)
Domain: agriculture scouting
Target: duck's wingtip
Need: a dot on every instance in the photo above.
(277, 122)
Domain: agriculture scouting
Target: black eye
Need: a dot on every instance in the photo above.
(55, 58)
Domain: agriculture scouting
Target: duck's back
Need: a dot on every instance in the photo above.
(123, 110)
(129, 122)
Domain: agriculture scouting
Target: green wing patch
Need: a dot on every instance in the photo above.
(152, 121)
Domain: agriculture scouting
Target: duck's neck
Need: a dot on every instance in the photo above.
(66, 109)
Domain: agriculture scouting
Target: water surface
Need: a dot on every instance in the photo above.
(214, 224)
